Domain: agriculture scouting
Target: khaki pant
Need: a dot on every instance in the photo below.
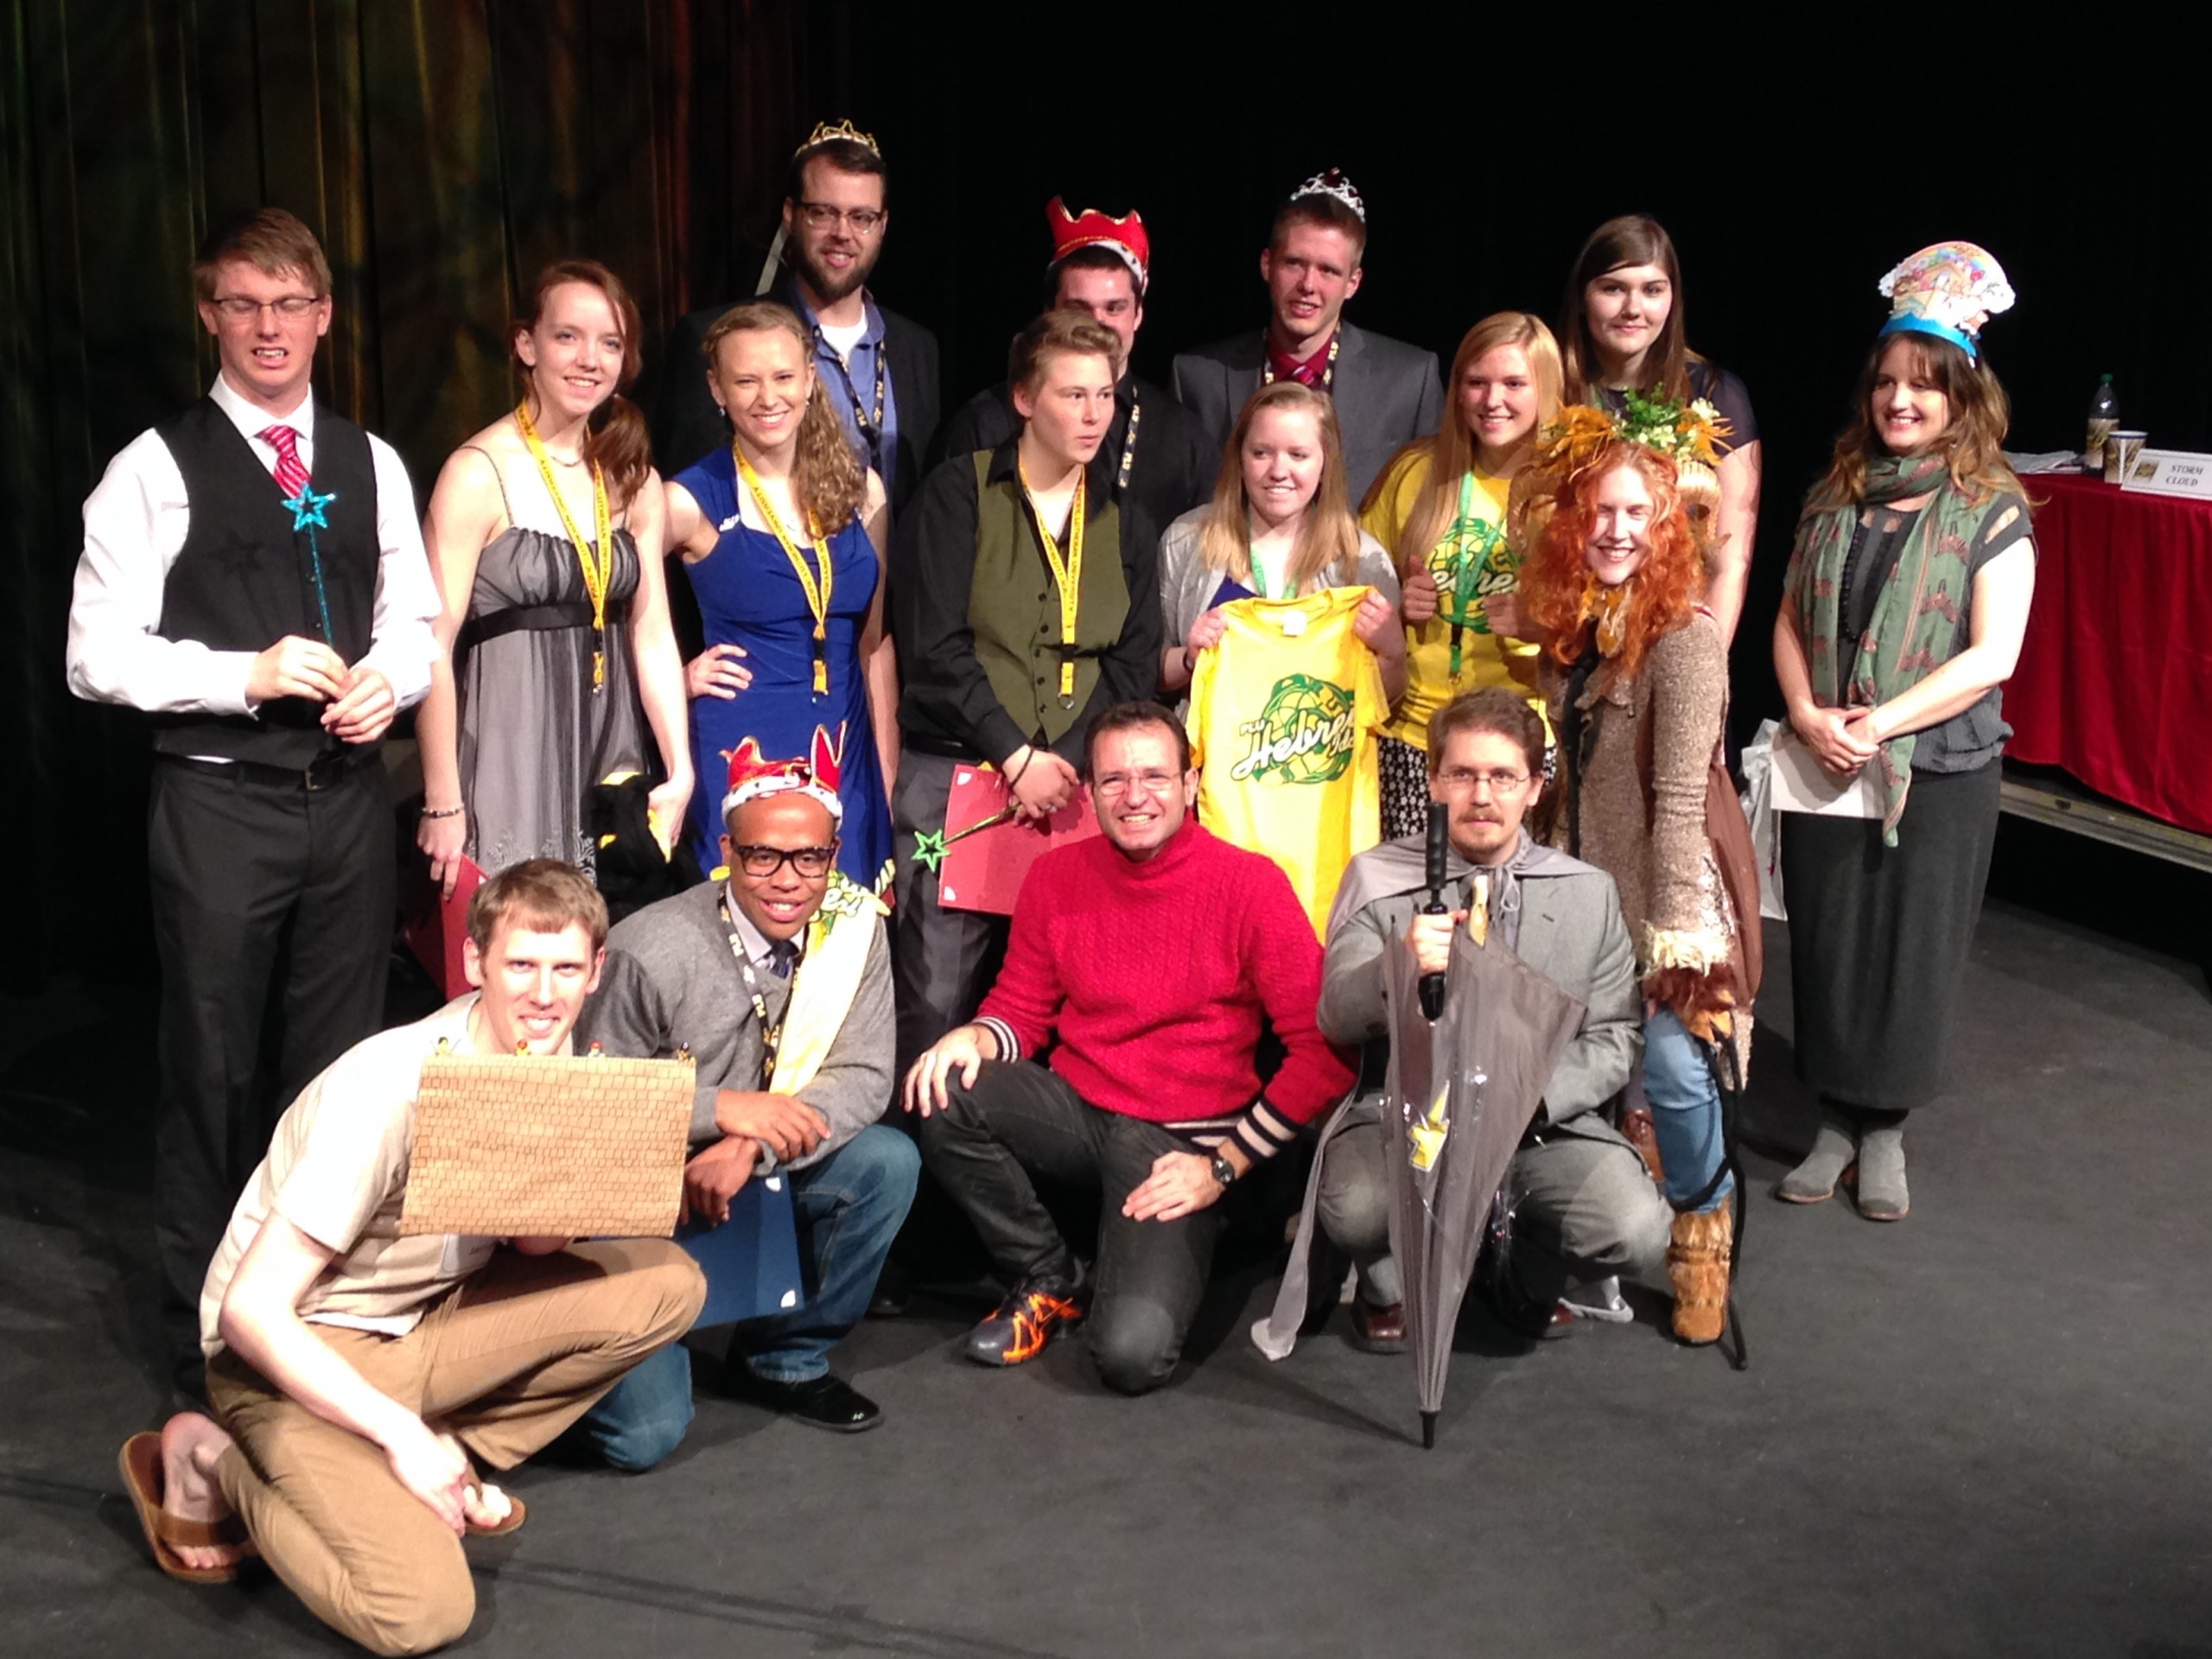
(503, 1363)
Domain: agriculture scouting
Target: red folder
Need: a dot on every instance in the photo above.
(435, 928)
(984, 871)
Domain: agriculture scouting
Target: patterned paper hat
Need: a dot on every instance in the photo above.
(1333, 183)
(751, 777)
(826, 132)
(1094, 229)
(1947, 290)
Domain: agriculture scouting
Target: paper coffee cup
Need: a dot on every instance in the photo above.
(2121, 450)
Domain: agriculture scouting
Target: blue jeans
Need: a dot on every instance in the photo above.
(850, 1207)
(1685, 1111)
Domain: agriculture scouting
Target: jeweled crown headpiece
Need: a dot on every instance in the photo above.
(1947, 290)
(824, 133)
(815, 775)
(1333, 183)
(1094, 229)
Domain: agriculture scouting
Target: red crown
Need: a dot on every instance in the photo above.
(1092, 228)
(751, 777)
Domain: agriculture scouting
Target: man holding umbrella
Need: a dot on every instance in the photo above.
(1587, 1207)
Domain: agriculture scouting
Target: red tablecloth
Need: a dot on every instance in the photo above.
(2115, 683)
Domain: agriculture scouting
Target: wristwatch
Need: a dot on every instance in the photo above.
(1223, 1171)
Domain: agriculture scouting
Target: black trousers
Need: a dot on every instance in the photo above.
(272, 910)
(1020, 1119)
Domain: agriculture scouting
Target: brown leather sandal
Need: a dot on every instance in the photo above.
(140, 1465)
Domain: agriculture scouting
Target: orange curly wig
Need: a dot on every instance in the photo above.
(1554, 580)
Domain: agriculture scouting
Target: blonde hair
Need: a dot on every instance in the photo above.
(1328, 534)
(828, 481)
(542, 894)
(1452, 452)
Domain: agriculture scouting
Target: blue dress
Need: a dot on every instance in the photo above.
(750, 596)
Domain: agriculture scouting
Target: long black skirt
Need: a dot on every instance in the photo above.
(1879, 937)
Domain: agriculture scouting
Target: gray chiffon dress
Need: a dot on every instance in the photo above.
(535, 736)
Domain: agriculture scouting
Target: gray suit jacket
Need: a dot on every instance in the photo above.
(1387, 394)
(1571, 932)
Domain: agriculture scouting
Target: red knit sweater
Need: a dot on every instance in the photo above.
(1153, 978)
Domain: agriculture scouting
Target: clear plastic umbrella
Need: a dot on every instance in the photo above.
(1463, 1090)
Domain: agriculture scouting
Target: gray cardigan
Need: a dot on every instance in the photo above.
(671, 982)
(1187, 587)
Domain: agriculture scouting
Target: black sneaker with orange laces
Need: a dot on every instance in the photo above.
(1034, 1312)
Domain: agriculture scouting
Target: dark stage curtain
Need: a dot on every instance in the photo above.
(443, 150)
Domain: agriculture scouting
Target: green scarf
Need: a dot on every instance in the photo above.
(1915, 626)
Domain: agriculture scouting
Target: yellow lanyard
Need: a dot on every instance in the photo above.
(596, 575)
(818, 592)
(1068, 575)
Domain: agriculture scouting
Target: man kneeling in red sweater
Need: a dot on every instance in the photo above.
(1147, 957)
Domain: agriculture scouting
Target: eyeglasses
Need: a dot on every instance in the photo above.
(238, 308)
(821, 216)
(1457, 780)
(1115, 785)
(761, 862)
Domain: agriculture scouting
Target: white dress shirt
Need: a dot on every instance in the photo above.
(135, 523)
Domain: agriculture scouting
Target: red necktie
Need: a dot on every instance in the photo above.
(291, 473)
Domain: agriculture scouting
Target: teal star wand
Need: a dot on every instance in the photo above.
(308, 513)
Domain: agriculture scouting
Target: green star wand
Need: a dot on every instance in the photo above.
(929, 845)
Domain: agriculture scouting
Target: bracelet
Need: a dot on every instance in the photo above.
(1017, 776)
(1189, 670)
(443, 812)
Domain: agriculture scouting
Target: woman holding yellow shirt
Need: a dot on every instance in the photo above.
(1440, 508)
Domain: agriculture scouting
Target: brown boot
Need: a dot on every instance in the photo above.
(1697, 1266)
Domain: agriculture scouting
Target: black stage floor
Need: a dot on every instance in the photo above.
(1982, 1431)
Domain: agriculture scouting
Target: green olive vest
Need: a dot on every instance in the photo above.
(1014, 604)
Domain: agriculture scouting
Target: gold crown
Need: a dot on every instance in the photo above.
(824, 133)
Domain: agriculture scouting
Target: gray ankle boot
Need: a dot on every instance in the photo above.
(1881, 1173)
(1833, 1149)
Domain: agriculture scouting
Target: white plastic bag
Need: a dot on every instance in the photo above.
(1759, 808)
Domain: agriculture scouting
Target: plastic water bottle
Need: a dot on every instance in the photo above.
(2104, 421)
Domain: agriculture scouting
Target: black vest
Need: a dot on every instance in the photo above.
(244, 578)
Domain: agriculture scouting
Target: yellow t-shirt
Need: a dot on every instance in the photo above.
(1284, 714)
(1471, 561)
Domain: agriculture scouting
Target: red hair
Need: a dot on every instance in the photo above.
(1665, 590)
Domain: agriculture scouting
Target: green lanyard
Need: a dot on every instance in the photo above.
(1252, 562)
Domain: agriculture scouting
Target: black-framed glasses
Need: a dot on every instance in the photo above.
(761, 862)
(821, 216)
(239, 309)
(1459, 780)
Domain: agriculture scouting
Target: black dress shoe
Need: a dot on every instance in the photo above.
(819, 1403)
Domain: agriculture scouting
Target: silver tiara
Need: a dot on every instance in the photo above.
(1333, 183)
